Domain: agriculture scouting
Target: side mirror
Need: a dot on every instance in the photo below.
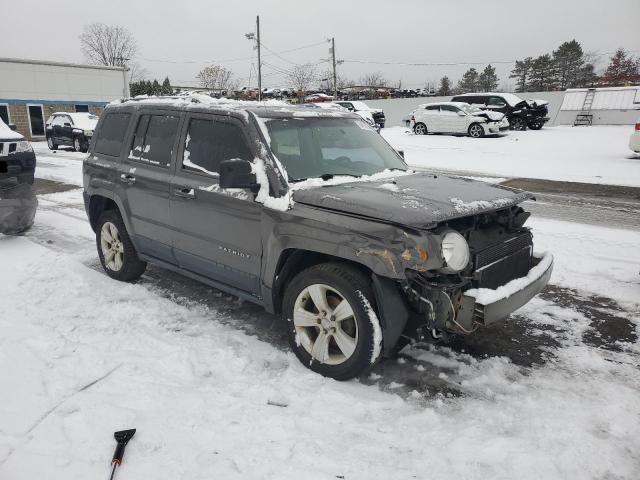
(401, 153)
(238, 173)
(67, 124)
(13, 127)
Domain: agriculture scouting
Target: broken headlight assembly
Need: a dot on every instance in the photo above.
(455, 251)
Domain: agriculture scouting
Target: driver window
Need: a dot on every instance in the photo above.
(449, 109)
(495, 102)
(337, 145)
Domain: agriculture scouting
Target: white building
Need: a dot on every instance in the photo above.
(606, 106)
(31, 90)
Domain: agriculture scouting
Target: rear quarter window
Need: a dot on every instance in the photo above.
(110, 136)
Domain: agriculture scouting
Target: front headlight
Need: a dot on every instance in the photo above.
(455, 252)
(23, 146)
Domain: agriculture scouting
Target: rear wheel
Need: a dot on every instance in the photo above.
(535, 125)
(420, 129)
(331, 324)
(115, 249)
(77, 145)
(476, 130)
(51, 145)
(518, 123)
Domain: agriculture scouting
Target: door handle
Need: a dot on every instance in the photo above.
(127, 178)
(185, 192)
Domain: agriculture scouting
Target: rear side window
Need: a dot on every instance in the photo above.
(111, 134)
(432, 107)
(449, 108)
(209, 142)
(496, 102)
(154, 139)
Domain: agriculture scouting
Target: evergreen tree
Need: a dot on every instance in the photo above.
(541, 77)
(568, 61)
(488, 80)
(156, 88)
(521, 73)
(166, 88)
(445, 87)
(623, 69)
(469, 81)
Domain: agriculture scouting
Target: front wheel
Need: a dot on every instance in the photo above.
(115, 249)
(77, 145)
(420, 129)
(51, 145)
(332, 326)
(518, 123)
(536, 125)
(476, 130)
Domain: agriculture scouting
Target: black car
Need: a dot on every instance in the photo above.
(17, 158)
(357, 106)
(70, 129)
(520, 113)
(312, 215)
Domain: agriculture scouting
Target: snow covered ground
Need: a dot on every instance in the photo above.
(597, 154)
(215, 394)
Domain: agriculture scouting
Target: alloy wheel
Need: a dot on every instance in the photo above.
(420, 129)
(325, 324)
(475, 131)
(76, 145)
(112, 247)
(50, 143)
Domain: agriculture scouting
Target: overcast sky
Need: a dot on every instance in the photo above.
(412, 31)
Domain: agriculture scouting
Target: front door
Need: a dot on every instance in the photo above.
(452, 118)
(66, 131)
(217, 231)
(146, 174)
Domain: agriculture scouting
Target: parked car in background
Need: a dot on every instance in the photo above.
(316, 225)
(356, 106)
(522, 114)
(634, 141)
(17, 158)
(457, 118)
(70, 129)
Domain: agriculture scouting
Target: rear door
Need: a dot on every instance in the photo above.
(217, 231)
(146, 176)
(431, 118)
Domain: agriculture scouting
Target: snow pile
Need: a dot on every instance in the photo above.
(597, 154)
(342, 179)
(469, 207)
(486, 296)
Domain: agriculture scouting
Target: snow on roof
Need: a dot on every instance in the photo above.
(611, 98)
(7, 134)
(510, 98)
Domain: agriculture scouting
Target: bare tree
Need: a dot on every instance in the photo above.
(108, 45)
(215, 77)
(137, 72)
(301, 77)
(374, 79)
(326, 81)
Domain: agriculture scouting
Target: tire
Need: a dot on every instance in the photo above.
(77, 145)
(518, 123)
(536, 125)
(26, 178)
(353, 344)
(475, 130)
(420, 129)
(51, 145)
(124, 265)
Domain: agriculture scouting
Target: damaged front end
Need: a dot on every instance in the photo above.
(501, 274)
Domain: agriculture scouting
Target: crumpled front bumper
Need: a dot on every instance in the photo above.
(485, 306)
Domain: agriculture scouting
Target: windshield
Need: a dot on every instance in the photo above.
(317, 147)
(470, 109)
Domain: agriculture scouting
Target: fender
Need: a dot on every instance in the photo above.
(104, 192)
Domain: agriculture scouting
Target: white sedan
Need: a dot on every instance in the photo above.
(634, 141)
(457, 118)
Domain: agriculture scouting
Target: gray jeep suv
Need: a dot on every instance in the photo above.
(311, 214)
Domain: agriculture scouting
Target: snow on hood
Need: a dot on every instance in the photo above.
(407, 198)
(7, 134)
(491, 115)
(536, 102)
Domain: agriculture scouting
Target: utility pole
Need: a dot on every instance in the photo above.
(259, 63)
(335, 75)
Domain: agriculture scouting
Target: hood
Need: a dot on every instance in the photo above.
(418, 200)
(8, 135)
(535, 102)
(489, 115)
